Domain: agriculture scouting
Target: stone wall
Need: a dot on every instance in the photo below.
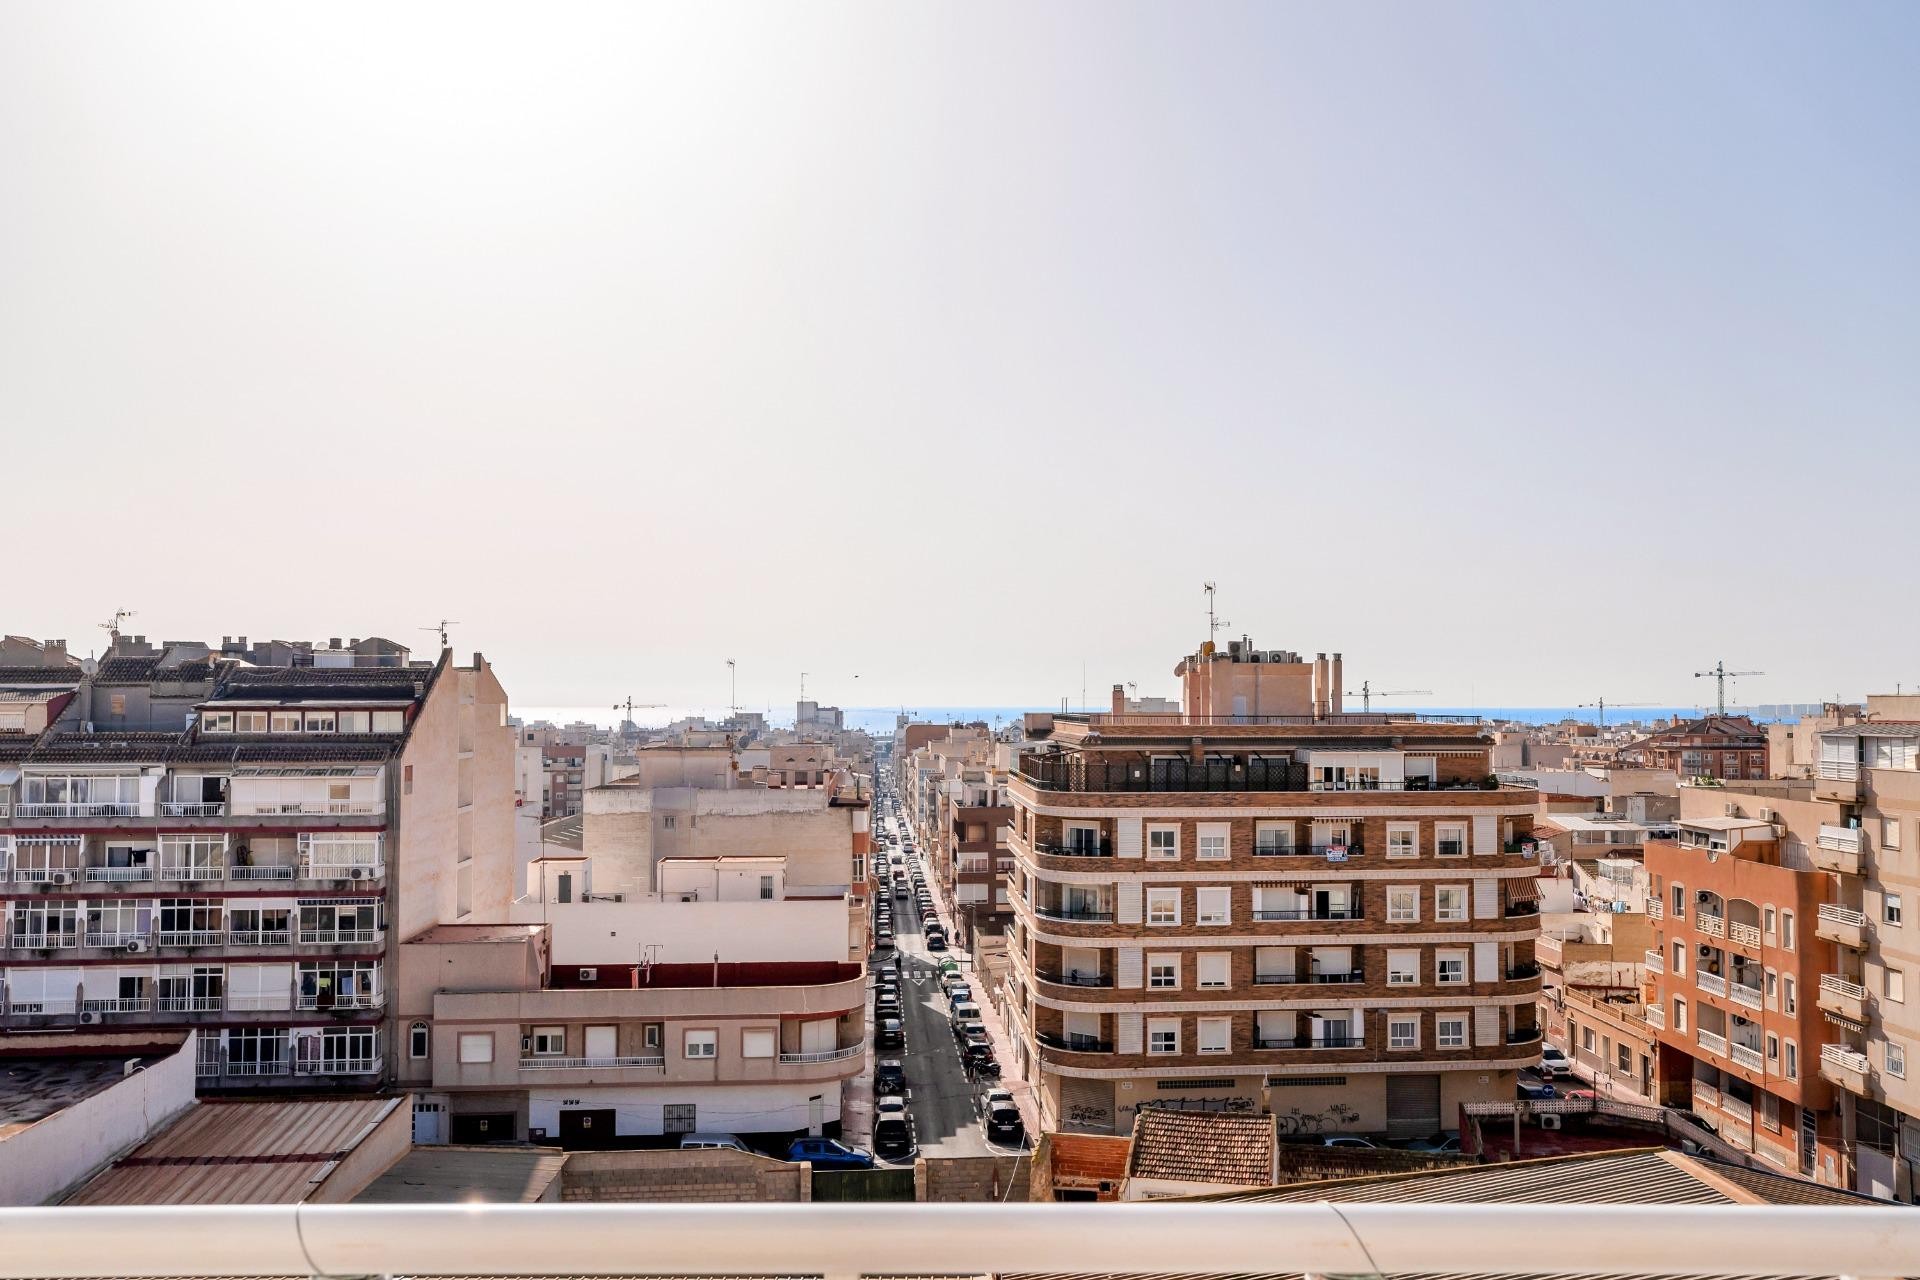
(684, 1177)
(980, 1179)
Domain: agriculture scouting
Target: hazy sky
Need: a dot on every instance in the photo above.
(1522, 353)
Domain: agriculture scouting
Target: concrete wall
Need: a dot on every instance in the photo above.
(690, 932)
(722, 1177)
(718, 1108)
(973, 1179)
(44, 1159)
(627, 831)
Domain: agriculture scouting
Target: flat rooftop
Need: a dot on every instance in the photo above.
(468, 1175)
(445, 934)
(31, 1089)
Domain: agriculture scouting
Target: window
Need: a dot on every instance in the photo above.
(1786, 930)
(1449, 1031)
(1163, 972)
(668, 822)
(1766, 920)
(1450, 968)
(1403, 1033)
(1679, 906)
(117, 704)
(216, 722)
(1450, 902)
(1896, 985)
(476, 1047)
(1163, 843)
(354, 722)
(1793, 1061)
(1212, 906)
(1679, 1014)
(766, 888)
(1215, 969)
(549, 1041)
(1773, 1047)
(757, 1042)
(1163, 907)
(1210, 844)
(1586, 1039)
(702, 1044)
(1896, 1057)
(320, 722)
(1403, 840)
(1623, 1059)
(1163, 1036)
(1679, 966)
(418, 1041)
(249, 722)
(1787, 1001)
(389, 721)
(1271, 838)
(1403, 904)
(1450, 839)
(1215, 1035)
(1890, 833)
(652, 1035)
(1890, 908)
(1403, 968)
(285, 721)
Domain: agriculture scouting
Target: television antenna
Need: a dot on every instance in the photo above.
(1601, 704)
(442, 629)
(1214, 623)
(733, 688)
(1368, 693)
(1720, 676)
(119, 616)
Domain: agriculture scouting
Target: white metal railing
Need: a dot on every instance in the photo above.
(1712, 983)
(192, 808)
(1842, 839)
(333, 937)
(1712, 1041)
(1834, 913)
(1656, 963)
(61, 1005)
(188, 1004)
(189, 871)
(847, 1240)
(260, 873)
(1745, 934)
(1840, 770)
(1747, 1056)
(1844, 1058)
(1840, 986)
(1656, 1016)
(119, 875)
(341, 1000)
(1710, 924)
(190, 937)
(312, 870)
(826, 1055)
(113, 937)
(357, 1066)
(259, 937)
(1743, 994)
(105, 809)
(116, 1004)
(587, 1064)
(45, 875)
(309, 808)
(42, 940)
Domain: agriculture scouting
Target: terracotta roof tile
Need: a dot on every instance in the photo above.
(1202, 1146)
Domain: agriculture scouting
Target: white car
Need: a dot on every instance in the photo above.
(1554, 1063)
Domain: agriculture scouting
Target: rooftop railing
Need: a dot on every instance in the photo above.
(842, 1241)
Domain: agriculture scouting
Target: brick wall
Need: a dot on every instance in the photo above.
(686, 1177)
(1317, 1164)
(979, 1179)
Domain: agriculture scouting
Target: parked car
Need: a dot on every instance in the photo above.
(1344, 1140)
(713, 1142)
(964, 1028)
(965, 1011)
(893, 1133)
(1554, 1063)
(979, 1056)
(825, 1153)
(1000, 1118)
(936, 941)
(886, 1006)
(890, 1077)
(889, 1033)
(958, 992)
(1528, 1089)
(1447, 1143)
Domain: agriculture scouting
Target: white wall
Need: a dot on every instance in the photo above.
(771, 1108)
(49, 1156)
(690, 932)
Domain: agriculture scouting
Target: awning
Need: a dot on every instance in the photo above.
(1839, 1021)
(1523, 889)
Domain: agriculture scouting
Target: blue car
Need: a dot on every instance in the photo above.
(825, 1153)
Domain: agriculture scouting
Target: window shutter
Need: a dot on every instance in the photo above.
(1486, 962)
(1127, 837)
(1127, 900)
(1486, 898)
(1131, 967)
(1486, 835)
(1486, 1025)
(1128, 1032)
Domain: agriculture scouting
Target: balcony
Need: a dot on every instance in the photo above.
(1308, 979)
(1655, 909)
(312, 870)
(1523, 1035)
(1073, 1042)
(192, 808)
(190, 937)
(1838, 849)
(1844, 1067)
(1309, 913)
(190, 872)
(43, 940)
(1656, 1017)
(1095, 849)
(189, 1004)
(824, 1055)
(1522, 971)
(118, 1004)
(1842, 926)
(119, 875)
(84, 810)
(1324, 852)
(1655, 962)
(118, 939)
(1523, 907)
(262, 873)
(1842, 998)
(1747, 1056)
(306, 808)
(1075, 978)
(259, 937)
(1073, 915)
(339, 937)
(1837, 780)
(1714, 926)
(340, 1000)
(645, 1062)
(1325, 1040)
(1744, 935)
(1711, 983)
(1712, 1041)
(1744, 995)
(328, 1066)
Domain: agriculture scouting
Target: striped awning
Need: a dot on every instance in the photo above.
(1523, 889)
(1839, 1021)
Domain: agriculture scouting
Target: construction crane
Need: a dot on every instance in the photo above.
(442, 629)
(1368, 693)
(1603, 704)
(1720, 676)
(630, 704)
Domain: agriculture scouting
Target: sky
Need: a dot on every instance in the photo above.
(1523, 353)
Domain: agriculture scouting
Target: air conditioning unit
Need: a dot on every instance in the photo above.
(1703, 895)
(89, 1017)
(356, 873)
(1766, 815)
(1733, 810)
(526, 1043)
(1550, 1121)
(60, 877)
(135, 946)
(1706, 949)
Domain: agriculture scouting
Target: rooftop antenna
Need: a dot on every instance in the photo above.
(733, 687)
(1367, 692)
(1720, 676)
(1213, 623)
(803, 686)
(442, 629)
(119, 616)
(1601, 703)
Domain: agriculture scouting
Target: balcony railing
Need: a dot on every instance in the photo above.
(1325, 1040)
(116, 1004)
(1078, 773)
(190, 937)
(1521, 972)
(340, 1000)
(1656, 1017)
(262, 873)
(1097, 849)
(190, 871)
(1743, 994)
(1714, 926)
(1308, 979)
(1849, 1062)
(113, 937)
(1076, 978)
(1656, 963)
(1655, 908)
(46, 875)
(337, 937)
(188, 1004)
(43, 940)
(1309, 913)
(1746, 935)
(1347, 1238)
(1073, 1043)
(1525, 907)
(337, 1066)
(1712, 1041)
(107, 809)
(1523, 1035)
(1328, 852)
(259, 937)
(1711, 983)
(654, 1061)
(192, 808)
(246, 1067)
(825, 1055)
(1747, 1056)
(1077, 914)
(119, 875)
(1841, 839)
(307, 808)
(311, 870)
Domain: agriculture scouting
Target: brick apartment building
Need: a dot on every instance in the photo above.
(1267, 903)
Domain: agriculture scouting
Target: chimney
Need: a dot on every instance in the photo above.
(1336, 679)
(1319, 686)
(1119, 698)
(56, 649)
(333, 642)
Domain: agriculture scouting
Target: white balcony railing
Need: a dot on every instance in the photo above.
(1745, 934)
(1742, 994)
(589, 1064)
(1844, 1058)
(826, 1055)
(192, 808)
(1655, 909)
(1840, 839)
(1655, 962)
(42, 940)
(1656, 1016)
(358, 1066)
(1351, 1238)
(1712, 1041)
(261, 873)
(103, 810)
(1747, 1056)
(1712, 983)
(113, 937)
(1840, 770)
(116, 1004)
(1840, 986)
(119, 875)
(312, 870)
(306, 808)
(341, 1000)
(188, 1004)
(1712, 925)
(191, 937)
(1837, 914)
(335, 937)
(259, 937)
(192, 871)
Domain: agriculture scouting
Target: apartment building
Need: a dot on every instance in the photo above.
(1869, 772)
(1270, 903)
(1716, 746)
(192, 841)
(1741, 988)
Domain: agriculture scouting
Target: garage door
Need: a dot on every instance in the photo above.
(1413, 1106)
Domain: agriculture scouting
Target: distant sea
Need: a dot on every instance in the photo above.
(880, 720)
